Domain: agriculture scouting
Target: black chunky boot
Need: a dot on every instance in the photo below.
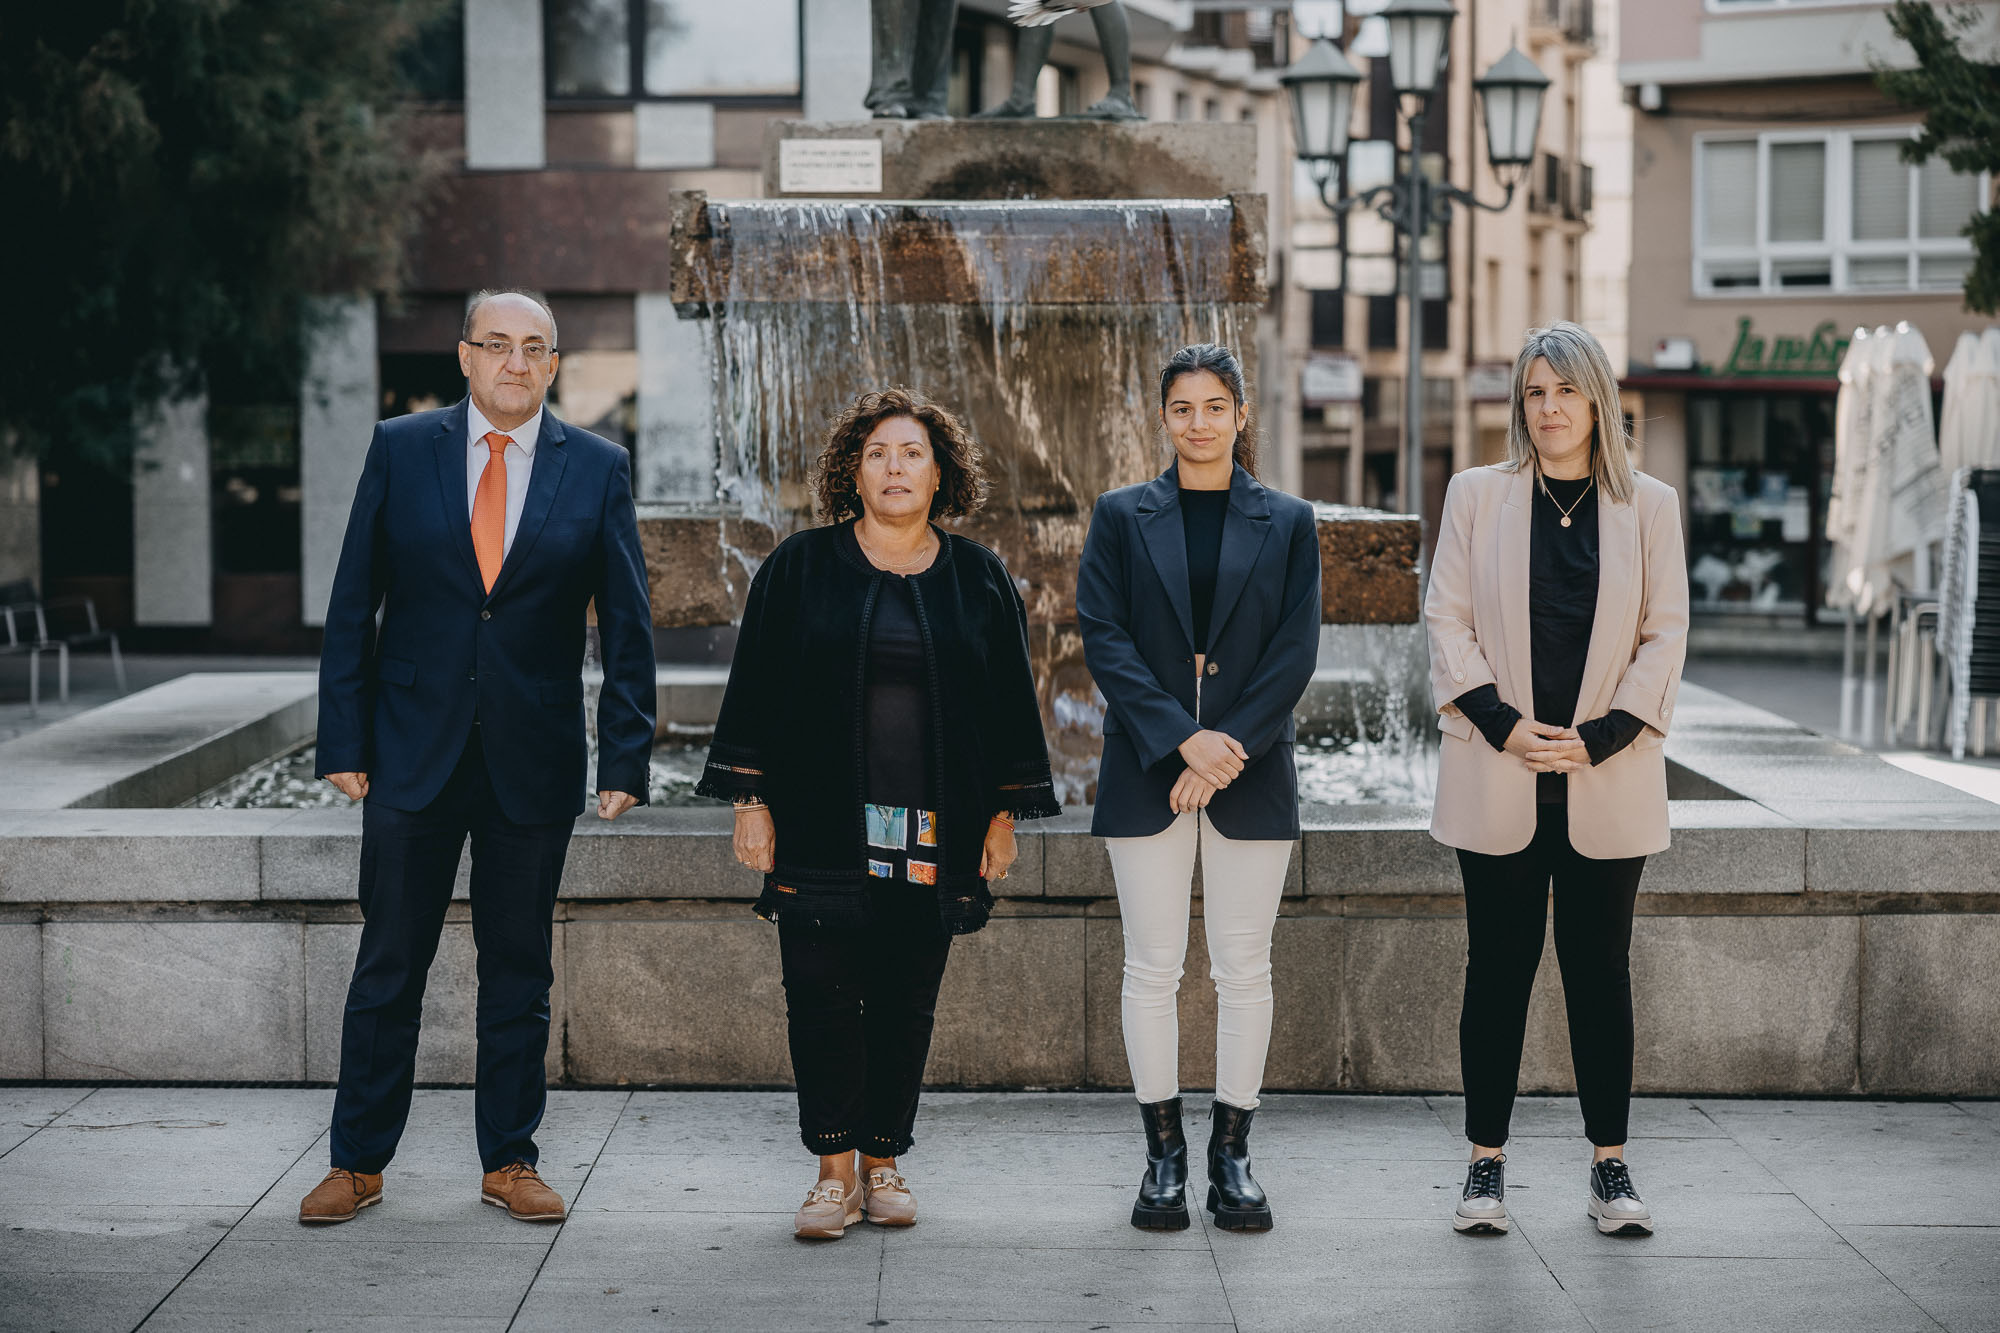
(1235, 1198)
(1162, 1204)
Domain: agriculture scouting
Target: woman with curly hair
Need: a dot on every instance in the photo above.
(879, 736)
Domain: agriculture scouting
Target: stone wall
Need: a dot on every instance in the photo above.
(1767, 958)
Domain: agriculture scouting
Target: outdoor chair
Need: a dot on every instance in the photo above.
(61, 623)
(24, 630)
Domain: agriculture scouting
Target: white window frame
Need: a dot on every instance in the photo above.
(1838, 248)
(1760, 6)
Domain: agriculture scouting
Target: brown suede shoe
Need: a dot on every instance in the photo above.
(521, 1192)
(340, 1196)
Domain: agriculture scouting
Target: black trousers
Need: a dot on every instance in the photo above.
(1506, 906)
(408, 863)
(860, 1003)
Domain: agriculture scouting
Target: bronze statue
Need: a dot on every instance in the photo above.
(1114, 40)
(912, 58)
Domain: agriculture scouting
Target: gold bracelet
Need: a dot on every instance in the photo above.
(741, 806)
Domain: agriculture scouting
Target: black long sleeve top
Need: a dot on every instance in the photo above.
(896, 730)
(1202, 513)
(1562, 604)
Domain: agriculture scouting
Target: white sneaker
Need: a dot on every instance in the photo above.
(1615, 1204)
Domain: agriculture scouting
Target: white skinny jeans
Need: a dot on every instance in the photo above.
(1242, 882)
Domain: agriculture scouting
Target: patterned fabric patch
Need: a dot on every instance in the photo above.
(881, 869)
(887, 826)
(922, 872)
(926, 829)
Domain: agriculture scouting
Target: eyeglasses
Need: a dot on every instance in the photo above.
(502, 350)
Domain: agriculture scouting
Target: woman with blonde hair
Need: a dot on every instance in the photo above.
(1558, 614)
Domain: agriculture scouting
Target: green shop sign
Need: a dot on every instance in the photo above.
(1754, 354)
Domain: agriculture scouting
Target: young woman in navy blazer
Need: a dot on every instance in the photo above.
(1199, 603)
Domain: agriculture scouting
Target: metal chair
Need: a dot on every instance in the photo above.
(26, 631)
(68, 622)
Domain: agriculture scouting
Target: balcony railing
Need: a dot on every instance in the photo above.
(1560, 188)
(1574, 19)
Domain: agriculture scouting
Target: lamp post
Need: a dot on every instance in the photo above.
(1322, 85)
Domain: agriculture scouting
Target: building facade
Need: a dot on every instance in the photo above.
(1772, 216)
(566, 124)
(1488, 276)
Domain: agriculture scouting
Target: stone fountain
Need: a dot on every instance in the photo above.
(1041, 320)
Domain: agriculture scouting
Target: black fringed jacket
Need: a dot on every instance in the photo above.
(790, 730)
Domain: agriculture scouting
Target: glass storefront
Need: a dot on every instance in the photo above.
(1759, 470)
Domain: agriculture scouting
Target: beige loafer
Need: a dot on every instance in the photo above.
(886, 1199)
(827, 1212)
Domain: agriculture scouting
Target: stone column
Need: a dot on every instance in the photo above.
(173, 553)
(503, 85)
(675, 456)
(338, 408)
(20, 518)
(837, 52)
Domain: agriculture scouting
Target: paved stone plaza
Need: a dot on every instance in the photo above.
(124, 1208)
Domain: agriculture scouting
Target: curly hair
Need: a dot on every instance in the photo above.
(962, 486)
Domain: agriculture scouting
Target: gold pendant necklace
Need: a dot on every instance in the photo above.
(1573, 504)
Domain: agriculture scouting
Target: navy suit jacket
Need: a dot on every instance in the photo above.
(399, 703)
(1133, 607)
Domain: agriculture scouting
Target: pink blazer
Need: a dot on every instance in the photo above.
(1477, 614)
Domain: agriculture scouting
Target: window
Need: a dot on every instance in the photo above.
(1183, 106)
(654, 48)
(1836, 211)
(1329, 319)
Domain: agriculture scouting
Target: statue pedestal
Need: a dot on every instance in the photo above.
(964, 160)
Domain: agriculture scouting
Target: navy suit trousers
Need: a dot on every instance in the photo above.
(409, 861)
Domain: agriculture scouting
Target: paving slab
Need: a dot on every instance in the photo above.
(164, 1146)
(1404, 1274)
(745, 1271)
(1884, 1163)
(1952, 1273)
(290, 1283)
(80, 1302)
(1769, 1295)
(24, 1110)
(1139, 1286)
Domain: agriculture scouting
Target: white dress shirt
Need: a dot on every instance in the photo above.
(520, 456)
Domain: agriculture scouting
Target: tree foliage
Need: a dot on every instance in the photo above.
(1960, 98)
(180, 176)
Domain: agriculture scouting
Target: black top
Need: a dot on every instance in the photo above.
(1562, 605)
(792, 726)
(1201, 525)
(896, 723)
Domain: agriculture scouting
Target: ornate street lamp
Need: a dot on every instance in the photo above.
(1511, 94)
(1419, 43)
(1322, 86)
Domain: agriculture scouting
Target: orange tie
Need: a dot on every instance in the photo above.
(489, 511)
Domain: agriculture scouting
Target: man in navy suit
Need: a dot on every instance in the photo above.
(481, 534)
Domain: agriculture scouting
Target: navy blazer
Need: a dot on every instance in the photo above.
(1133, 607)
(399, 703)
